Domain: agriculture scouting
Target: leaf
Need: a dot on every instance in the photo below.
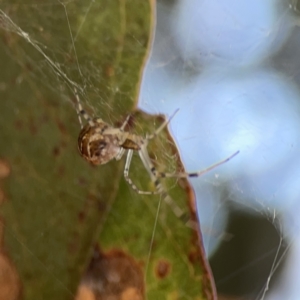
(64, 218)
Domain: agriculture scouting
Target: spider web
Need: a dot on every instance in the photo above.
(234, 77)
(57, 206)
(40, 38)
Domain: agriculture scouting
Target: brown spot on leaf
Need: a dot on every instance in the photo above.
(61, 127)
(32, 126)
(81, 216)
(82, 181)
(113, 275)
(109, 71)
(56, 151)
(194, 256)
(10, 286)
(163, 269)
(4, 169)
(19, 124)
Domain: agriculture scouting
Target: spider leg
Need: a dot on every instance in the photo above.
(120, 154)
(130, 182)
(143, 153)
(154, 175)
(162, 126)
(179, 213)
(196, 174)
(82, 112)
(125, 123)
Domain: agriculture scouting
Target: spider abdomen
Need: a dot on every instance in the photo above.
(97, 147)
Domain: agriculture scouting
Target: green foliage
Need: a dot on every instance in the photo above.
(58, 206)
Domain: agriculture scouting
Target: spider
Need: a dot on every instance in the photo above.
(99, 143)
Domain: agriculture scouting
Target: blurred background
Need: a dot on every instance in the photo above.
(232, 68)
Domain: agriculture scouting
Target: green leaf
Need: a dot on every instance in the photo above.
(66, 222)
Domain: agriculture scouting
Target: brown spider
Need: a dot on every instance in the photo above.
(99, 143)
